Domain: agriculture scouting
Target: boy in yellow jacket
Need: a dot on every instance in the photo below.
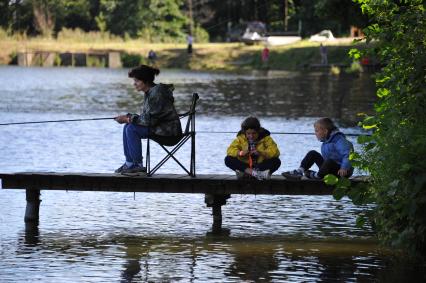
(254, 152)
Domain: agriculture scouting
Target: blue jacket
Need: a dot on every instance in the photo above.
(337, 148)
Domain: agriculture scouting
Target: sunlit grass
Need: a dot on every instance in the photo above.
(206, 56)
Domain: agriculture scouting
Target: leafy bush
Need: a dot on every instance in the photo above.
(78, 35)
(394, 154)
(3, 34)
(132, 60)
(201, 35)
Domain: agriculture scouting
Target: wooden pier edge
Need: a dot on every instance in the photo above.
(217, 188)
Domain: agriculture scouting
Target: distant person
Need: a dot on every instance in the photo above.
(323, 53)
(189, 40)
(265, 55)
(158, 117)
(334, 157)
(253, 153)
(152, 57)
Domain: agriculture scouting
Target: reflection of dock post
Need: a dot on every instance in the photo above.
(216, 202)
(31, 233)
(33, 205)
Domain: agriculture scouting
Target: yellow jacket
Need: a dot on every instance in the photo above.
(266, 146)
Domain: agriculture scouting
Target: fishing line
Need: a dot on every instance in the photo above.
(278, 133)
(198, 132)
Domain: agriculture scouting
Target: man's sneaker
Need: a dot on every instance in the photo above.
(240, 175)
(133, 170)
(261, 175)
(311, 175)
(292, 175)
(121, 168)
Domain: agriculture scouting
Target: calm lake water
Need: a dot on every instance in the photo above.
(121, 237)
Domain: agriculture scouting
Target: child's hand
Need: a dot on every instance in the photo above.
(242, 153)
(122, 119)
(342, 172)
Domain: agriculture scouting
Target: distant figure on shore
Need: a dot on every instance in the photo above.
(152, 57)
(323, 53)
(265, 55)
(253, 153)
(189, 40)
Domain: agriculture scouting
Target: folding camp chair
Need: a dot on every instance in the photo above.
(177, 142)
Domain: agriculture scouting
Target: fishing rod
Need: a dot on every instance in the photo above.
(199, 132)
(56, 121)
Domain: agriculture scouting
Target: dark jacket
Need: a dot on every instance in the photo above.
(158, 112)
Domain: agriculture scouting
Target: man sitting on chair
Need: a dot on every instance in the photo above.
(158, 117)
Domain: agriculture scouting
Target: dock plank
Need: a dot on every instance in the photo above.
(163, 183)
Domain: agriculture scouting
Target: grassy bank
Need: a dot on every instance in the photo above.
(206, 56)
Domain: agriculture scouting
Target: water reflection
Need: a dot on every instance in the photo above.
(293, 95)
(254, 265)
(269, 93)
(136, 259)
(32, 233)
(205, 259)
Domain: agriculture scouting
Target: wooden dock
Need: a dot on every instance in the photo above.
(217, 188)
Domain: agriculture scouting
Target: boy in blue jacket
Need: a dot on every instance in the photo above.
(334, 157)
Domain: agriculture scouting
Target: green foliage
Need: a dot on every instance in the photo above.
(101, 22)
(355, 67)
(168, 20)
(78, 35)
(132, 60)
(3, 34)
(151, 20)
(57, 60)
(200, 35)
(13, 58)
(394, 154)
(96, 61)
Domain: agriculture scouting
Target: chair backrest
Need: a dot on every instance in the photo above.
(191, 115)
(189, 128)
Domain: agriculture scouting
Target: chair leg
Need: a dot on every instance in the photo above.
(192, 166)
(170, 155)
(147, 158)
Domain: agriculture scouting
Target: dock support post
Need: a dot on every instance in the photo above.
(216, 202)
(33, 205)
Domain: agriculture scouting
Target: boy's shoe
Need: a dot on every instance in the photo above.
(240, 175)
(133, 170)
(262, 175)
(311, 175)
(292, 175)
(121, 168)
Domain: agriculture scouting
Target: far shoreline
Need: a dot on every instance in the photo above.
(221, 57)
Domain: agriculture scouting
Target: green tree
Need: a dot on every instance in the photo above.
(166, 21)
(151, 19)
(76, 14)
(340, 14)
(394, 154)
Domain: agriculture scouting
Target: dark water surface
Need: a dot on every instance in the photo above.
(121, 237)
